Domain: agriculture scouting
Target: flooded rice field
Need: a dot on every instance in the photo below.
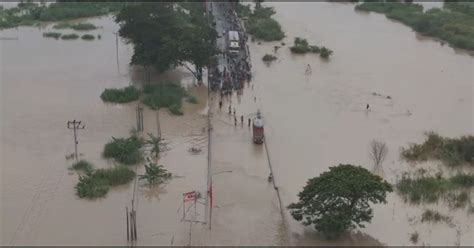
(312, 122)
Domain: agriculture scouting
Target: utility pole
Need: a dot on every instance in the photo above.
(116, 50)
(75, 125)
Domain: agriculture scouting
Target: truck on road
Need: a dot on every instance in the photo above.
(233, 41)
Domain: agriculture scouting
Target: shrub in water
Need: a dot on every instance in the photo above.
(175, 109)
(123, 95)
(83, 26)
(164, 95)
(325, 52)
(452, 152)
(69, 36)
(124, 150)
(191, 99)
(83, 165)
(97, 183)
(88, 37)
(52, 35)
(269, 58)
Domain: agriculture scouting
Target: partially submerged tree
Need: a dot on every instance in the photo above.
(155, 174)
(338, 200)
(378, 152)
(155, 142)
(167, 34)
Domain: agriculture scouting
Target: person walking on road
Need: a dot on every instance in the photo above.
(230, 110)
(242, 119)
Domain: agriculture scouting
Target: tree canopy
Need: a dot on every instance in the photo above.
(338, 200)
(167, 34)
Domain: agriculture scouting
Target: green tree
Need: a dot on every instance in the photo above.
(338, 200)
(166, 34)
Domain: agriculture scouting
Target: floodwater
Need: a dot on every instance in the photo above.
(44, 84)
(319, 120)
(312, 122)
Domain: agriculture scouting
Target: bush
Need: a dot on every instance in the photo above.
(192, 99)
(325, 52)
(433, 216)
(88, 37)
(69, 36)
(261, 25)
(83, 165)
(31, 14)
(175, 109)
(123, 95)
(97, 183)
(300, 46)
(52, 35)
(164, 95)
(429, 189)
(83, 26)
(453, 23)
(124, 150)
(452, 152)
(265, 29)
(315, 49)
(268, 58)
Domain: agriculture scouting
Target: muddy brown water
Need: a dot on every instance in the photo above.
(312, 122)
(319, 120)
(45, 83)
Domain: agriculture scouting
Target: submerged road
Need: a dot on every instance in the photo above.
(245, 206)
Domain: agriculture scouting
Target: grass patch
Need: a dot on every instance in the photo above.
(429, 189)
(260, 23)
(433, 216)
(33, 13)
(452, 152)
(454, 23)
(88, 37)
(123, 95)
(52, 35)
(269, 58)
(69, 36)
(164, 95)
(97, 183)
(124, 150)
(83, 165)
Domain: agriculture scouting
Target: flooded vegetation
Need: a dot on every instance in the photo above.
(194, 145)
(452, 23)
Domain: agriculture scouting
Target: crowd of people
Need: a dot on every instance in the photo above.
(237, 68)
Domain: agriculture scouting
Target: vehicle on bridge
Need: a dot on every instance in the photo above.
(258, 135)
